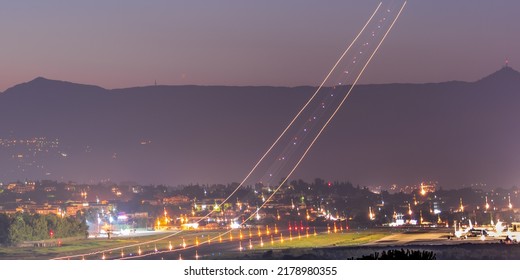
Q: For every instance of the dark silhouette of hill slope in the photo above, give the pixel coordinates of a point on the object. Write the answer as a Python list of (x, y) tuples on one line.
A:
[(454, 132)]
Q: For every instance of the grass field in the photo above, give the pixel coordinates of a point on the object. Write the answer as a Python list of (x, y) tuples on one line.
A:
[(111, 247), (86, 246)]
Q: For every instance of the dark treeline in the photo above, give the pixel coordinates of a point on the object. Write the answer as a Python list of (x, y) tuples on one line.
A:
[(22, 227)]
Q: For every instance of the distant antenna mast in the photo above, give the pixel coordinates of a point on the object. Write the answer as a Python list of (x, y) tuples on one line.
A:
[(507, 62)]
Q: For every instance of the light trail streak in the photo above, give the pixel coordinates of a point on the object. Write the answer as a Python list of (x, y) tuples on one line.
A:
[(335, 111), (264, 155), (298, 114), (321, 130)]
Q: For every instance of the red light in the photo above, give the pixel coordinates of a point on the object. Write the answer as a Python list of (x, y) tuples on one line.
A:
[(329, 184)]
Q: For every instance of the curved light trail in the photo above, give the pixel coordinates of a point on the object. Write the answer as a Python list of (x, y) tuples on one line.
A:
[(308, 148), (266, 153)]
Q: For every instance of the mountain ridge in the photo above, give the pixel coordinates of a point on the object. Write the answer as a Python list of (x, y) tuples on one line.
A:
[(384, 134), (505, 74)]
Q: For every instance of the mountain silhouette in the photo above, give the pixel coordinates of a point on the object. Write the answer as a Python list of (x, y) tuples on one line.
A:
[(457, 133)]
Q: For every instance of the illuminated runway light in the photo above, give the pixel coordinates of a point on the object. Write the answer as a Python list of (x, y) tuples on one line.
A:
[(290, 236), (275, 229), (220, 239), (261, 242), (139, 251), (183, 243), (103, 256), (209, 239), (315, 231), (240, 248), (196, 241), (196, 255), (230, 236), (281, 237), (122, 254), (180, 257), (272, 240), (250, 244), (259, 232), (240, 236), (155, 248), (170, 247)]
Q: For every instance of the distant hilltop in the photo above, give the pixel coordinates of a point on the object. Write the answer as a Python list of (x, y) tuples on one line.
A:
[(506, 74), (453, 132)]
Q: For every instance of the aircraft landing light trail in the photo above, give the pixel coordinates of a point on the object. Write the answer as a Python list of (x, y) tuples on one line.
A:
[(311, 125)]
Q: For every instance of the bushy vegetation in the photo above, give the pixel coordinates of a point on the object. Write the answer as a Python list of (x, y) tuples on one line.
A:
[(22, 227), (401, 255)]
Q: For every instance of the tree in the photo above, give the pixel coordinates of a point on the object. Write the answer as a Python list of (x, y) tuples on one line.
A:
[(18, 230), (39, 227)]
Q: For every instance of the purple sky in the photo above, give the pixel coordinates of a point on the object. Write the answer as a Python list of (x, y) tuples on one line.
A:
[(287, 43)]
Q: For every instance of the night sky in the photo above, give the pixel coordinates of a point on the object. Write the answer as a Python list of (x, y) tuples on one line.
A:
[(293, 42)]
